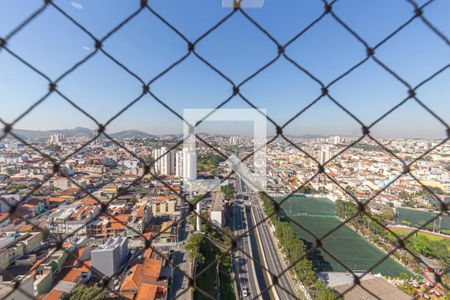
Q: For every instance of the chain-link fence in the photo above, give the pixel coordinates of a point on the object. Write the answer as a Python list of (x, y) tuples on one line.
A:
[(274, 209)]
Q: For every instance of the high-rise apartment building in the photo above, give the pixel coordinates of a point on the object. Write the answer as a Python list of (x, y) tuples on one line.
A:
[(189, 164), (234, 140), (165, 164), (336, 139), (324, 154), (56, 139), (179, 164)]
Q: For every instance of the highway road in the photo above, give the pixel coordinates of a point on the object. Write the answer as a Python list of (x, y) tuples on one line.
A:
[(285, 288), (251, 274), (248, 274)]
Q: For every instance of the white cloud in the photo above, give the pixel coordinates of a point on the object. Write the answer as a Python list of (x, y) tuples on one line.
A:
[(76, 5), (86, 48)]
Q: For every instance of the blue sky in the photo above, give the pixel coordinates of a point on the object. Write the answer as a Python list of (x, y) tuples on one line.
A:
[(147, 46)]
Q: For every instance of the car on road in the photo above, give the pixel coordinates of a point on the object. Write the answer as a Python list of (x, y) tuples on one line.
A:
[(245, 291)]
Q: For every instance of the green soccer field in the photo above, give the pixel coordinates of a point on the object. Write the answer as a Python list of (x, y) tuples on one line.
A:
[(317, 216), (417, 218), (298, 205)]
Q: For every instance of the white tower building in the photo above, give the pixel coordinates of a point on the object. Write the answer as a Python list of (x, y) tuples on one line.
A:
[(57, 139), (336, 139), (189, 164), (165, 164), (179, 164), (324, 154)]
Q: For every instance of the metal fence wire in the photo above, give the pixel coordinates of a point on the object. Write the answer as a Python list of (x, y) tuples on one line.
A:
[(326, 92)]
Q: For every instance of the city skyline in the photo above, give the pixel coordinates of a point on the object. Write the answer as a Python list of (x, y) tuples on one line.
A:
[(232, 132), (102, 88)]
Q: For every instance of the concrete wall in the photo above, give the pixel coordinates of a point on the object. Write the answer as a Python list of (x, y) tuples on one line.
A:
[(34, 241), (43, 284), (26, 285), (8, 255)]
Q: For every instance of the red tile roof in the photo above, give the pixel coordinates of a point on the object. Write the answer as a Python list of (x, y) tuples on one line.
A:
[(56, 199), (140, 212), (54, 295), (89, 201), (147, 272), (147, 292), (72, 276)]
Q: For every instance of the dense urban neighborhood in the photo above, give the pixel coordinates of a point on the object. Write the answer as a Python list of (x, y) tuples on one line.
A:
[(112, 218)]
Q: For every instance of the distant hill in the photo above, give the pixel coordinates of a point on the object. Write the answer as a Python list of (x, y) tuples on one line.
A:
[(43, 135), (130, 134), (311, 136), (306, 136)]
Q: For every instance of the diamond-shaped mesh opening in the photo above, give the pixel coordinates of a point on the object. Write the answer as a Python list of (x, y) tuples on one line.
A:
[(286, 242)]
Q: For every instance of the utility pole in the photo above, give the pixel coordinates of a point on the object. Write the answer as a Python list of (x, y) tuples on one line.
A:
[(290, 206), (198, 227)]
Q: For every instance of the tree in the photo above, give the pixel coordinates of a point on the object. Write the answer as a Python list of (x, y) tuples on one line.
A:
[(198, 198), (82, 292), (440, 251), (133, 201), (434, 189), (405, 222), (408, 289), (192, 219), (387, 215), (404, 276), (16, 187), (422, 245), (193, 245), (228, 191), (306, 189), (376, 239), (209, 163), (325, 293), (226, 237), (405, 196)]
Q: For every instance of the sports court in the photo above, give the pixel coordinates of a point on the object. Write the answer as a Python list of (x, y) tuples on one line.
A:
[(418, 218), (318, 216)]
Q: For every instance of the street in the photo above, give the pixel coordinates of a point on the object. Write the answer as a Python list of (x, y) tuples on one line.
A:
[(285, 288), (249, 275), (180, 284)]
